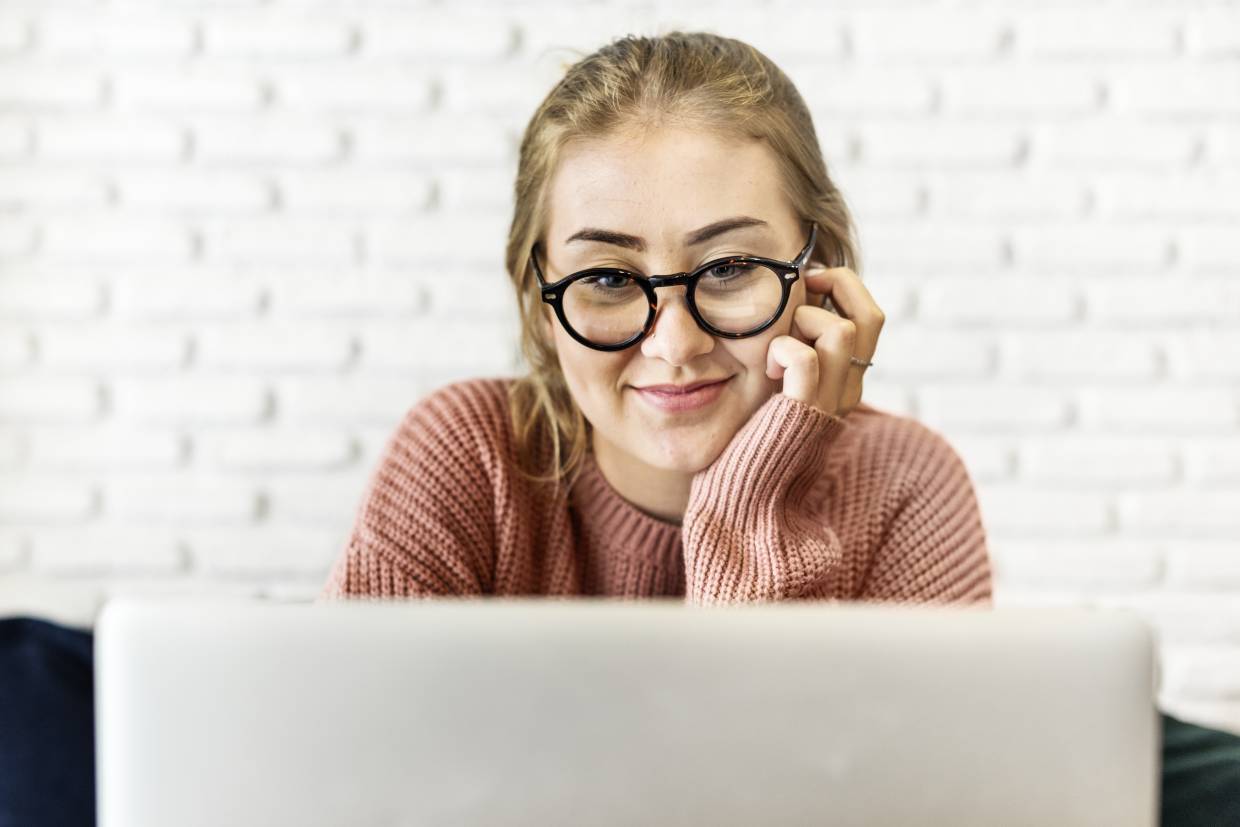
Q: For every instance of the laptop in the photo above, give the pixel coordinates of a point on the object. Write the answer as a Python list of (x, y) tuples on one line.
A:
[(537, 711)]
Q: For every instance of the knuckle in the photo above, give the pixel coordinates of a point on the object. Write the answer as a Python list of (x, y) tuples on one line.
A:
[(806, 357)]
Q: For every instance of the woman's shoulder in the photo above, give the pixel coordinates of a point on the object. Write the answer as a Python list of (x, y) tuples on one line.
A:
[(478, 407), (899, 443), (468, 412), (485, 397)]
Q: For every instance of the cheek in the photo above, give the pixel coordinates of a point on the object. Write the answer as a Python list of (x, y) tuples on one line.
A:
[(750, 354), (592, 376), (783, 325), (551, 327)]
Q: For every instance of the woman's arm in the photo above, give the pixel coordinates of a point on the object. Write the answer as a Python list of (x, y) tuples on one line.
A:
[(747, 533), (933, 549), (425, 525), (751, 534)]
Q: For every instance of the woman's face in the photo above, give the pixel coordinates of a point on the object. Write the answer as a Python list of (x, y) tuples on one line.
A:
[(660, 187)]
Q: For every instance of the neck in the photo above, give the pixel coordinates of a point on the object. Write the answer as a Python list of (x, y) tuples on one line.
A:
[(658, 492)]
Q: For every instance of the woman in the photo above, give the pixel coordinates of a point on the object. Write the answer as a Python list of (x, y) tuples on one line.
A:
[(699, 437), (774, 481)]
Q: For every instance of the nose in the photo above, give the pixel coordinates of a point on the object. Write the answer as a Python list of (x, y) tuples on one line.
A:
[(675, 337)]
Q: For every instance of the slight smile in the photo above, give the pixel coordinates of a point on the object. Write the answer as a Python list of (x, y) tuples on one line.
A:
[(687, 397)]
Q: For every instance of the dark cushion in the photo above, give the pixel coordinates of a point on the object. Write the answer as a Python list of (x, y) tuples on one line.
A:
[(1200, 775), (47, 724)]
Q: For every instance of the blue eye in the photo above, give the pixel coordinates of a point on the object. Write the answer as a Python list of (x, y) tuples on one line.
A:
[(726, 272), (608, 282)]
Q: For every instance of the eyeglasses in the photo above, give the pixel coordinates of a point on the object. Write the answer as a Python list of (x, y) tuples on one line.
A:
[(608, 308)]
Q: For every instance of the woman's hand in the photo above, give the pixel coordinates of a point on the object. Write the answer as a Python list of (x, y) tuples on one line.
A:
[(814, 360)]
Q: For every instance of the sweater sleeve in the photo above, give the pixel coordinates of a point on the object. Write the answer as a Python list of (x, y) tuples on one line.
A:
[(425, 524), (933, 549), (747, 532)]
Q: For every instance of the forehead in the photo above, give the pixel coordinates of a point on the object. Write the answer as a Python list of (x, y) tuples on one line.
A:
[(662, 184)]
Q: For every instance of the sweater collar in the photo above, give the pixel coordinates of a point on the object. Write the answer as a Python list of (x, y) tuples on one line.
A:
[(612, 520)]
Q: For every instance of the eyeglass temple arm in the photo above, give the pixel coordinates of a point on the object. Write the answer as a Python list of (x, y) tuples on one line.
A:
[(803, 259), (542, 282)]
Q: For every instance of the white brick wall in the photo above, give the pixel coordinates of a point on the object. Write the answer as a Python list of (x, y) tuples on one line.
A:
[(232, 233)]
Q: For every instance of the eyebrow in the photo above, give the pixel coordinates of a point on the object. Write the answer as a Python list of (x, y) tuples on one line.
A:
[(692, 239)]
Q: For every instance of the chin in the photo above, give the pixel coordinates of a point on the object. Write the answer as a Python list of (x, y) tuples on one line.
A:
[(683, 455)]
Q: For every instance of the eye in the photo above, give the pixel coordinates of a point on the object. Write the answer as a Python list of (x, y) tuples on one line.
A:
[(606, 282), (729, 271)]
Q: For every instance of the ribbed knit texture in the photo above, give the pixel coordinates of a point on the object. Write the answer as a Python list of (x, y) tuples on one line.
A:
[(799, 505)]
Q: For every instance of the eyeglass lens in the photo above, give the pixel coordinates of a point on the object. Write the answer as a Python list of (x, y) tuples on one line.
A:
[(733, 298)]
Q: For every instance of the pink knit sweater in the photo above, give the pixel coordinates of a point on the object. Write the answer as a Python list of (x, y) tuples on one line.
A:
[(800, 505)]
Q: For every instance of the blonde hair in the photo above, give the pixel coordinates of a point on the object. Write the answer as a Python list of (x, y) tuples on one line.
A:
[(694, 79)]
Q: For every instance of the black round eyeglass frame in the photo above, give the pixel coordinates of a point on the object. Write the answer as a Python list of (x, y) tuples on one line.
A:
[(790, 271)]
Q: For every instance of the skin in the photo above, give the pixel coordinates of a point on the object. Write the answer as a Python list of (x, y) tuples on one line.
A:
[(660, 185)]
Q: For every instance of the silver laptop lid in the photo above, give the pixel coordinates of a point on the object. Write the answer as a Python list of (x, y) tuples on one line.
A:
[(604, 712)]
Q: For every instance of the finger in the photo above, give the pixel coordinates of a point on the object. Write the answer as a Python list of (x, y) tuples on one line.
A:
[(834, 338), (853, 300), (816, 299), (797, 363)]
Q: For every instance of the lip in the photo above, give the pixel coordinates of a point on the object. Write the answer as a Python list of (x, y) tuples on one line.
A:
[(681, 388), (682, 397)]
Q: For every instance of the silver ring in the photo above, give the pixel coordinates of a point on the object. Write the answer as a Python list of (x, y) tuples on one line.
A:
[(857, 361)]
